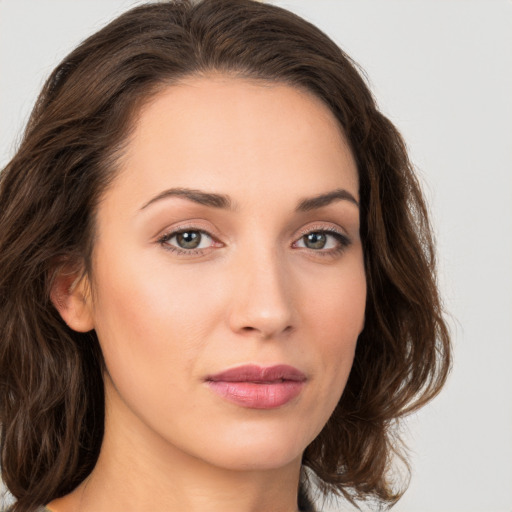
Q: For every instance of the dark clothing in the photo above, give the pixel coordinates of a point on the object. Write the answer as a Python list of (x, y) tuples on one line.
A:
[(304, 503)]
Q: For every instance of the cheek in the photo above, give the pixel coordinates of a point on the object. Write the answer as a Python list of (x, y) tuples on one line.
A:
[(150, 317), (151, 333), (337, 317), (338, 306)]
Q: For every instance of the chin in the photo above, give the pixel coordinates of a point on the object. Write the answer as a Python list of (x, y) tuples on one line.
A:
[(257, 460), (256, 449)]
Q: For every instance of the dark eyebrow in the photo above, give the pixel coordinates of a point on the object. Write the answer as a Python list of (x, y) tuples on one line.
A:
[(223, 201), (311, 203), (198, 196)]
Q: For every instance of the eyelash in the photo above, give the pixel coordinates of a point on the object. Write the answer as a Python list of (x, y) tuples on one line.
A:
[(342, 241), (164, 239)]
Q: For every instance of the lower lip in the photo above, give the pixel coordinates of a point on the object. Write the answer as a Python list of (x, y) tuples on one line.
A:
[(257, 396)]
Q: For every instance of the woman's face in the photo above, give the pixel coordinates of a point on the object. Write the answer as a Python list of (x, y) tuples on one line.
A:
[(230, 237)]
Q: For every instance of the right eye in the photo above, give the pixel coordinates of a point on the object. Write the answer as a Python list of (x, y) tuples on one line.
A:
[(187, 240)]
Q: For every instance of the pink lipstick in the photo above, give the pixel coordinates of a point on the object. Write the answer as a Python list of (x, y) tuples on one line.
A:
[(256, 387)]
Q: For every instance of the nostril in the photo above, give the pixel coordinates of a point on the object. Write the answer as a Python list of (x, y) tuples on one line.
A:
[(266, 333)]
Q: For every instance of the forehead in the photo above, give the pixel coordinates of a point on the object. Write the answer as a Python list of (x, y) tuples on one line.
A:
[(221, 132)]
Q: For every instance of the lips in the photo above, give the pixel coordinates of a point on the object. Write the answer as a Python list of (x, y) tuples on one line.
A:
[(254, 373), (258, 387)]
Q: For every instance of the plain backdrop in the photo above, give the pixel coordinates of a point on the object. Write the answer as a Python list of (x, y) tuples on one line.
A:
[(442, 71)]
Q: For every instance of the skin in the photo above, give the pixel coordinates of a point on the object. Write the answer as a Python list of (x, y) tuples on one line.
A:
[(254, 292)]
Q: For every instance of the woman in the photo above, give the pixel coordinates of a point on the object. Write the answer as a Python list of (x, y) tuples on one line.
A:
[(217, 275)]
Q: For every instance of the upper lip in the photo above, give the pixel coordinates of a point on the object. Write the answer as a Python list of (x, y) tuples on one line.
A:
[(255, 373)]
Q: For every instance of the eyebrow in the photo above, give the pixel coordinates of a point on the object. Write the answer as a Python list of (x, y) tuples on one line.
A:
[(225, 202), (197, 196), (312, 203)]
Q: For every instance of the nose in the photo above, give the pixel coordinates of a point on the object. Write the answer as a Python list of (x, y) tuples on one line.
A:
[(262, 302)]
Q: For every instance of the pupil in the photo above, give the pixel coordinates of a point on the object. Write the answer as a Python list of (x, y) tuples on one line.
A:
[(315, 240), (188, 239)]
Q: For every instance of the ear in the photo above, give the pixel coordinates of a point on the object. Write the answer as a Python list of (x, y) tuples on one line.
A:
[(70, 294)]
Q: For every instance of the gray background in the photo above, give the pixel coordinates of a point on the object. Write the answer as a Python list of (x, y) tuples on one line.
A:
[(441, 70)]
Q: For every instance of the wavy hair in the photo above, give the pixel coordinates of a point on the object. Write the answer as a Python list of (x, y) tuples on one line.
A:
[(51, 387)]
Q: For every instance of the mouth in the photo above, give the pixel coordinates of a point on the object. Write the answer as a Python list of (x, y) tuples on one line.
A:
[(258, 387)]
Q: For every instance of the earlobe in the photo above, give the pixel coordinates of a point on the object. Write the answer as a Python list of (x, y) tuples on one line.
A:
[(70, 294)]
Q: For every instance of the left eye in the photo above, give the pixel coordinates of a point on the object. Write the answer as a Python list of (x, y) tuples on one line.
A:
[(188, 239), (318, 240)]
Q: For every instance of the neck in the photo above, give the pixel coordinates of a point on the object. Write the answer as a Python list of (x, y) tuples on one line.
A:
[(139, 471), (187, 486)]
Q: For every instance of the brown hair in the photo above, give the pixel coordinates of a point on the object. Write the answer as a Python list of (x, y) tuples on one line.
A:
[(51, 388)]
